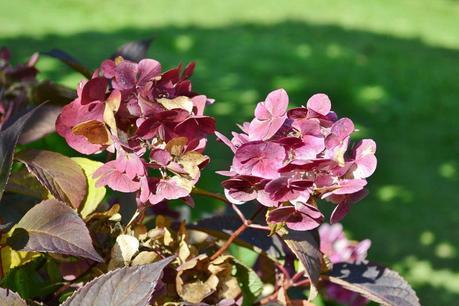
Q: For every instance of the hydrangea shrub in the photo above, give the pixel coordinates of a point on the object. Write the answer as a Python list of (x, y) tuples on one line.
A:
[(102, 233)]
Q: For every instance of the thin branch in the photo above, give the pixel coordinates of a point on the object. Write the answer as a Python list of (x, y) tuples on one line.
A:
[(236, 234), (221, 198)]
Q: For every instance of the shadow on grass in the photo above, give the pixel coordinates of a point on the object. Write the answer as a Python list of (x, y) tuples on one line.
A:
[(402, 93)]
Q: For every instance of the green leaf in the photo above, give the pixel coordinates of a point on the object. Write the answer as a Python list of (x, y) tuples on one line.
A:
[(27, 281), (64, 179), (8, 140), (249, 282), (95, 194)]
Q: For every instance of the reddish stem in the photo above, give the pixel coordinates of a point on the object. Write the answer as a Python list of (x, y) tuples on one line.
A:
[(246, 224)]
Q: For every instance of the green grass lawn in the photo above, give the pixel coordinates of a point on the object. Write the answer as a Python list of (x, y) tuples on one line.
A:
[(392, 66)]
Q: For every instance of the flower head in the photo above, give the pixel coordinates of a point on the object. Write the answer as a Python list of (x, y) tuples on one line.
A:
[(153, 121), (285, 157)]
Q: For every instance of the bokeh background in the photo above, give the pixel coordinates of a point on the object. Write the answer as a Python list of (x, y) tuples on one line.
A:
[(391, 65)]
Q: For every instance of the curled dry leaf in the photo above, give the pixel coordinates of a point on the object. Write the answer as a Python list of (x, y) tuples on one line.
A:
[(126, 246), (144, 257), (201, 280)]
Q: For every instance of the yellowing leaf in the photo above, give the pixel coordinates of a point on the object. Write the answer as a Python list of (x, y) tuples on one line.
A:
[(11, 258), (95, 194), (181, 102), (190, 162)]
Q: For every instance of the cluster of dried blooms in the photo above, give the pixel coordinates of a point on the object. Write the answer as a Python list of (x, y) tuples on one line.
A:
[(152, 121)]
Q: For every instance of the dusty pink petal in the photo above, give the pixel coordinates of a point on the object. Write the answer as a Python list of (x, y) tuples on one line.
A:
[(265, 129), (265, 200), (286, 189), (259, 159), (311, 147), (147, 70), (342, 128), (225, 140), (199, 102), (346, 186), (134, 166), (108, 68), (161, 157), (240, 196), (319, 103), (365, 161), (125, 75), (116, 180), (261, 112), (239, 139), (270, 115), (277, 102), (169, 190)]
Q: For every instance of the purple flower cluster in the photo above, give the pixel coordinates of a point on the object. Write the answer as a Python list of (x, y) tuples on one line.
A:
[(152, 121), (286, 159), (335, 245)]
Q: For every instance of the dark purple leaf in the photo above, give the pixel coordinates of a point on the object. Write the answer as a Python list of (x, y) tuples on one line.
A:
[(10, 298), (128, 286), (62, 176), (375, 282), (43, 123), (69, 61), (306, 246), (52, 226), (25, 183), (55, 93), (8, 140), (134, 50)]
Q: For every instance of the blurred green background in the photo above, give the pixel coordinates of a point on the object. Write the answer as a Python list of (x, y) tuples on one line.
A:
[(391, 65)]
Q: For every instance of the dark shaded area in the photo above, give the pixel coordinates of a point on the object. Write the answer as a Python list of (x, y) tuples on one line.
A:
[(403, 93)]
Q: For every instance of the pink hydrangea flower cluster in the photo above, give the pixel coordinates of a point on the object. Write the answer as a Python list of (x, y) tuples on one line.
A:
[(286, 159), (335, 245), (151, 120)]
